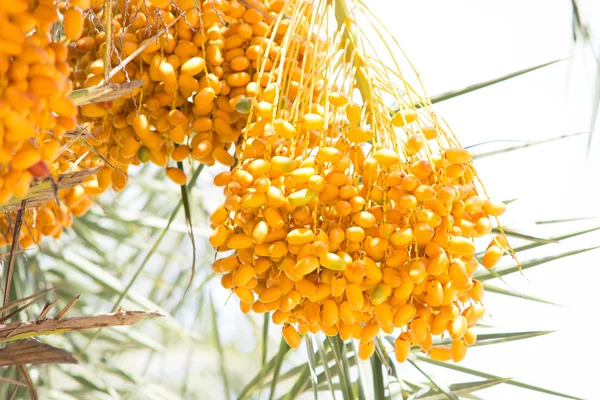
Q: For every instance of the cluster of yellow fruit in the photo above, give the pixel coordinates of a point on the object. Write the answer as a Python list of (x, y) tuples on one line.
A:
[(196, 64), (50, 217), (73, 13), (35, 112), (343, 216), (336, 224), (34, 86)]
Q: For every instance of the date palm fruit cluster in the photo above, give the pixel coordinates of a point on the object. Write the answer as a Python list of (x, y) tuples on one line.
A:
[(196, 64), (35, 113), (186, 114), (344, 216), (35, 109), (51, 217)]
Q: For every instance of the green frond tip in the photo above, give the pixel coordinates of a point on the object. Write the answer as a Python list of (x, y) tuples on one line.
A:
[(520, 235), (560, 220), (595, 108), (507, 292), (486, 275), (459, 92), (487, 339), (477, 86), (461, 389), (523, 145)]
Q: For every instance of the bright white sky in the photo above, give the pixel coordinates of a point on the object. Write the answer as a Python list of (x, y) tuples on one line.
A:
[(455, 43)]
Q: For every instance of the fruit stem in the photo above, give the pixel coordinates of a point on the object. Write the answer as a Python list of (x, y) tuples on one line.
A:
[(344, 22), (108, 39)]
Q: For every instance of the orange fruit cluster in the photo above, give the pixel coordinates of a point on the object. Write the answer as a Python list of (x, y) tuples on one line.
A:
[(74, 12), (50, 218), (343, 216), (195, 64), (35, 113), (34, 86)]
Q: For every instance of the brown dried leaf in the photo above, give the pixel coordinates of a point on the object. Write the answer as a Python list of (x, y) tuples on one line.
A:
[(36, 296), (44, 190), (18, 310), (22, 330), (46, 309), (66, 308), (31, 351), (13, 249), (11, 382)]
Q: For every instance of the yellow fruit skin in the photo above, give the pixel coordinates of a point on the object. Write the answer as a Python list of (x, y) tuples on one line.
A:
[(470, 337), (458, 156), (330, 313), (347, 313), (401, 349), (419, 329), (218, 236), (404, 315), (193, 66), (26, 158), (366, 350), (284, 129), (492, 256), (333, 262), (289, 301), (177, 176), (355, 296), (459, 350), (360, 134), (313, 121), (404, 117), (161, 3), (369, 332), (439, 324), (306, 265), (291, 336), (458, 327), (384, 315), (440, 353), (242, 275), (494, 209), (300, 236), (473, 313), (73, 24)]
